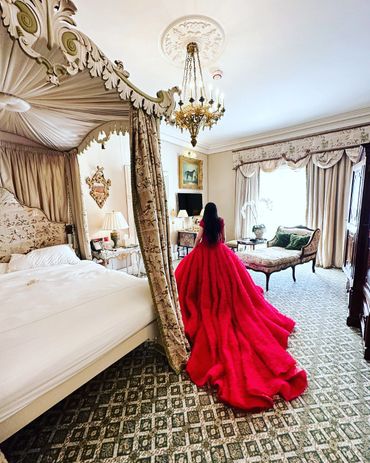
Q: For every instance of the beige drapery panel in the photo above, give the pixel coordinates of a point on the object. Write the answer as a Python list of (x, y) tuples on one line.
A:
[(328, 179), (246, 189), (152, 226), (37, 178), (49, 180), (77, 208)]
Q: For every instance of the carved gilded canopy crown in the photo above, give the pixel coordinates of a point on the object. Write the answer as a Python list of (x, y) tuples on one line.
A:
[(42, 26)]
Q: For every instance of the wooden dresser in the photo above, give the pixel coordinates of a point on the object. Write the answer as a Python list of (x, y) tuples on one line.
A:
[(357, 248)]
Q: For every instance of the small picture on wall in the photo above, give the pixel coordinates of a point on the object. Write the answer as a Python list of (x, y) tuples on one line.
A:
[(190, 173)]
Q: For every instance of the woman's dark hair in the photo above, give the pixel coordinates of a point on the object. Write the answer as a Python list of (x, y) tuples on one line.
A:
[(212, 224)]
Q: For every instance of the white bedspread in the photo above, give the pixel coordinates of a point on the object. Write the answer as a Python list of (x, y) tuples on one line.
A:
[(57, 320)]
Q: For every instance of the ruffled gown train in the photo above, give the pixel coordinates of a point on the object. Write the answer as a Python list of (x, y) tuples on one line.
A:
[(238, 338)]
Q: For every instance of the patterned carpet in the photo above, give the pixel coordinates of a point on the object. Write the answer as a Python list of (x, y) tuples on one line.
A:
[(139, 411)]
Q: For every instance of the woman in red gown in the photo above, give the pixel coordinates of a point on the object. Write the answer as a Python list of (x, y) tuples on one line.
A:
[(238, 338)]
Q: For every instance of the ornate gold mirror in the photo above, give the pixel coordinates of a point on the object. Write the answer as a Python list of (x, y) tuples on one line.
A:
[(99, 186)]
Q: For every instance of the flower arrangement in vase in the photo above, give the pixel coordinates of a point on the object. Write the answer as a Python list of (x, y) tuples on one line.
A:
[(258, 228)]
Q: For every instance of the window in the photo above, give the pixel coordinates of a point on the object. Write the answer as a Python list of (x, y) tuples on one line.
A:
[(282, 198)]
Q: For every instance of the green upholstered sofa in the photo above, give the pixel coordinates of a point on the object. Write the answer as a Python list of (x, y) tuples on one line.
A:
[(275, 258)]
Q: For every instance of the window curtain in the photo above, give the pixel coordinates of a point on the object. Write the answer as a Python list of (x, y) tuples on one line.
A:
[(37, 178), (77, 207), (152, 226), (246, 189), (328, 179)]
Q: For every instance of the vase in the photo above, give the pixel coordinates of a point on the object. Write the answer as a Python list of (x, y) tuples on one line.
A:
[(259, 233)]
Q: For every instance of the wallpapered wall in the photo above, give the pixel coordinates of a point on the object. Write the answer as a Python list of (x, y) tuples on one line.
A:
[(113, 158)]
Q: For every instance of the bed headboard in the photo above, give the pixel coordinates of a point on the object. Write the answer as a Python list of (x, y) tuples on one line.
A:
[(23, 228)]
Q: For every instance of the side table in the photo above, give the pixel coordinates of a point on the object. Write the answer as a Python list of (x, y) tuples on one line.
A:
[(250, 242), (115, 258)]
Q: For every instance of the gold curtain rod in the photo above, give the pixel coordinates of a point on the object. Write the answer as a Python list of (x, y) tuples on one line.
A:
[(301, 137)]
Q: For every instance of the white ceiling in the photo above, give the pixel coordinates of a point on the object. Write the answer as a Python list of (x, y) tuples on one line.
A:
[(285, 62)]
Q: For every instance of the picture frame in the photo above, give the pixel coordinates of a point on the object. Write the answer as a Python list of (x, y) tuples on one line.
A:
[(97, 245), (190, 173)]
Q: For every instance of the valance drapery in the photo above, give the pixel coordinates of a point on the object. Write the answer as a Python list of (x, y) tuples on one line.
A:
[(297, 153)]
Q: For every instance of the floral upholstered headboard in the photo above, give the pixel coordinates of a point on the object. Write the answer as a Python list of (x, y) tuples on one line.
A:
[(23, 228)]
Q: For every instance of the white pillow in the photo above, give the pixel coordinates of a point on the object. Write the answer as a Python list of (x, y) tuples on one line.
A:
[(3, 268), (18, 262), (44, 257)]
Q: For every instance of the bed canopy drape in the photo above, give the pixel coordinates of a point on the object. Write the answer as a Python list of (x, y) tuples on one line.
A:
[(327, 158), (59, 90)]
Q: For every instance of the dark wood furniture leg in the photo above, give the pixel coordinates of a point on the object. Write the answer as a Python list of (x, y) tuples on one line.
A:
[(293, 273), (313, 265), (267, 280)]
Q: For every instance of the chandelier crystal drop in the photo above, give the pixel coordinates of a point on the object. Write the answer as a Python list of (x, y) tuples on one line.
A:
[(195, 110)]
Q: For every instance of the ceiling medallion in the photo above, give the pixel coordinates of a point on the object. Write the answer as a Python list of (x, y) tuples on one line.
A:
[(206, 32), (13, 103), (196, 109)]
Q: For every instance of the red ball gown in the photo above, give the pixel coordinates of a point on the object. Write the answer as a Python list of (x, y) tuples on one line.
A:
[(238, 339)]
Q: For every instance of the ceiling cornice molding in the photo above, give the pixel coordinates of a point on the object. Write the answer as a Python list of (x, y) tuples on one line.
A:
[(338, 121), (200, 148)]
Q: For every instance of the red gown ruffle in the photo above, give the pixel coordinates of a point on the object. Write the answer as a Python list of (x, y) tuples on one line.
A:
[(238, 338)]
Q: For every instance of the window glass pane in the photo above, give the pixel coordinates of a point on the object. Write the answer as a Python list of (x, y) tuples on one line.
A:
[(282, 199)]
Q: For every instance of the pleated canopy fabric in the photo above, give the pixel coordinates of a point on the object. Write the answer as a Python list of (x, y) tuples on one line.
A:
[(60, 117), (56, 86)]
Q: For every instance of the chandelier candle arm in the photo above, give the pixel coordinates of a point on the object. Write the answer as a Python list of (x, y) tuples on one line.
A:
[(195, 111)]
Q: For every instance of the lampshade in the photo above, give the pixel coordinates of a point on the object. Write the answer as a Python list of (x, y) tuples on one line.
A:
[(114, 221), (182, 214), (202, 212)]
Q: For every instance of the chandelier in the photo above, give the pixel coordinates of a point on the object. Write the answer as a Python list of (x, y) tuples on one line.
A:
[(195, 110)]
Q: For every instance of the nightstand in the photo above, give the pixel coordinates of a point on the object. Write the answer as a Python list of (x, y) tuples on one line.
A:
[(120, 258)]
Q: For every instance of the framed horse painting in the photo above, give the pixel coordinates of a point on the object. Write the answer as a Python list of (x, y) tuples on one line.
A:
[(190, 173)]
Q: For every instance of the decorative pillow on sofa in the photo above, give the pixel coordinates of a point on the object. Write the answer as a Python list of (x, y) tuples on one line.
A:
[(298, 241), (44, 257), (282, 239)]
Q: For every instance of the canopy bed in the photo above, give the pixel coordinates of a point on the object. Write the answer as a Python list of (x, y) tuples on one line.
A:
[(58, 93)]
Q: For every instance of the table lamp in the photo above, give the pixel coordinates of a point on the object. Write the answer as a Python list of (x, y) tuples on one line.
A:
[(182, 215), (114, 221), (202, 212)]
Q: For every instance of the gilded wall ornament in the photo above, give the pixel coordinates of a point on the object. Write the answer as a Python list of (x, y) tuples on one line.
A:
[(99, 186)]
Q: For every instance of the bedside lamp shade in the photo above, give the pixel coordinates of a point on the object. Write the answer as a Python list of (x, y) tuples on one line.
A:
[(182, 214), (114, 221)]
